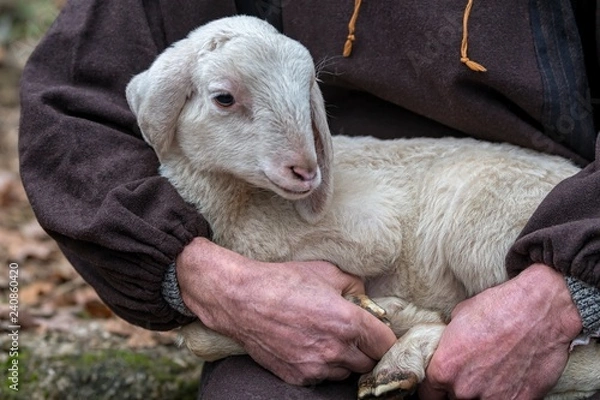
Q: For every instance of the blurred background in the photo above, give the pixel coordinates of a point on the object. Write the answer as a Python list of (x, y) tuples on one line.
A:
[(70, 345)]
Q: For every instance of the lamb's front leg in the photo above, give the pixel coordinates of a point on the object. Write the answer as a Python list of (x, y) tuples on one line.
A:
[(365, 302), (402, 368)]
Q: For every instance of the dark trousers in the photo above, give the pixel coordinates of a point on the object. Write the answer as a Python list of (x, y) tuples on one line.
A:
[(240, 378)]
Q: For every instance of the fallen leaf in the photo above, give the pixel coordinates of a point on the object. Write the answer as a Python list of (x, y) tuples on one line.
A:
[(142, 339), (97, 309), (138, 338), (84, 294), (88, 299), (33, 293), (16, 248), (119, 327)]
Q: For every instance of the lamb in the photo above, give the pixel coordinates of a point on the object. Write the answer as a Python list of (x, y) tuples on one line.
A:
[(235, 115)]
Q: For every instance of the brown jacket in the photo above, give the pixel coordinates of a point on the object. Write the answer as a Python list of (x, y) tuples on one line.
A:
[(92, 180)]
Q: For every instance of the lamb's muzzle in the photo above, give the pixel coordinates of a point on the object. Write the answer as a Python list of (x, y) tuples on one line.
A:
[(294, 182)]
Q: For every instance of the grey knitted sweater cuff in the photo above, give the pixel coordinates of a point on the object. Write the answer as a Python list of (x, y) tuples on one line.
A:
[(171, 292), (587, 300)]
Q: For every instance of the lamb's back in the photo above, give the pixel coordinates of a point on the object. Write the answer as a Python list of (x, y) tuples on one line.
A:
[(448, 209)]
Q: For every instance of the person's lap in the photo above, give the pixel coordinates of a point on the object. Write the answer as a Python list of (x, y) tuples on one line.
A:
[(241, 378)]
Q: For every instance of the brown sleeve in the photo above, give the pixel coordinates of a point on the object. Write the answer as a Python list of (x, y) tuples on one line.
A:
[(564, 232), (91, 179)]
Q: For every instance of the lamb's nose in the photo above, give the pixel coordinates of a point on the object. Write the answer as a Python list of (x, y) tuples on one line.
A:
[(305, 174)]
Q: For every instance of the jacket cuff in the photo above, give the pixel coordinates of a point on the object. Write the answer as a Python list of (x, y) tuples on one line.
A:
[(587, 300), (171, 292)]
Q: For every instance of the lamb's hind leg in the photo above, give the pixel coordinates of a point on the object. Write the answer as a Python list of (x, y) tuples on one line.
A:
[(208, 344), (581, 377), (402, 368)]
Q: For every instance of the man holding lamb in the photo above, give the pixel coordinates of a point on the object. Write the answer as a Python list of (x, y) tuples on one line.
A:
[(94, 186)]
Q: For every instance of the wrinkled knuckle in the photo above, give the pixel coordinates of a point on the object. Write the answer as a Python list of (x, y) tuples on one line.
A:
[(347, 315), (291, 376), (313, 373), (366, 366), (299, 380), (303, 381), (445, 375), (339, 374), (462, 391), (346, 328), (331, 354), (295, 380), (441, 373)]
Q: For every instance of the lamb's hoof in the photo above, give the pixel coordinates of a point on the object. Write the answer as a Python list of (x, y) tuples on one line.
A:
[(387, 385), (365, 302)]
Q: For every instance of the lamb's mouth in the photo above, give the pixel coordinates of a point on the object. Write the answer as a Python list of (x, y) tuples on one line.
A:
[(289, 193)]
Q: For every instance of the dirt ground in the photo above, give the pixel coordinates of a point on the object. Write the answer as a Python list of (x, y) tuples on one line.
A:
[(59, 341)]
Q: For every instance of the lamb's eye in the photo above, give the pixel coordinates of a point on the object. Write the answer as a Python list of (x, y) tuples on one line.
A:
[(224, 100)]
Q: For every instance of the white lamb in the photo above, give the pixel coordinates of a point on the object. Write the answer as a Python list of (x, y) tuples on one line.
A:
[(235, 114)]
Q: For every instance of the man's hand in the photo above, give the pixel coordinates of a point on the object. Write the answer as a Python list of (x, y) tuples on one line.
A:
[(509, 342), (290, 317)]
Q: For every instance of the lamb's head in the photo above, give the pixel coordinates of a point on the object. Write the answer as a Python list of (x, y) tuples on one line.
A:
[(238, 97)]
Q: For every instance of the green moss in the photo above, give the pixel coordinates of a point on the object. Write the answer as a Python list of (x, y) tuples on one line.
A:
[(99, 375)]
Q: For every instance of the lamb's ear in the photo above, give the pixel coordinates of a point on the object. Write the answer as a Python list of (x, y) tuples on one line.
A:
[(157, 95), (312, 208)]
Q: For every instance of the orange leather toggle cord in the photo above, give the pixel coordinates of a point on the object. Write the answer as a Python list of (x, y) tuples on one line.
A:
[(463, 47), (351, 29)]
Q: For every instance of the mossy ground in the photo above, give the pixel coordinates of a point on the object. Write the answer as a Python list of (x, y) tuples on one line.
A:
[(102, 374)]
